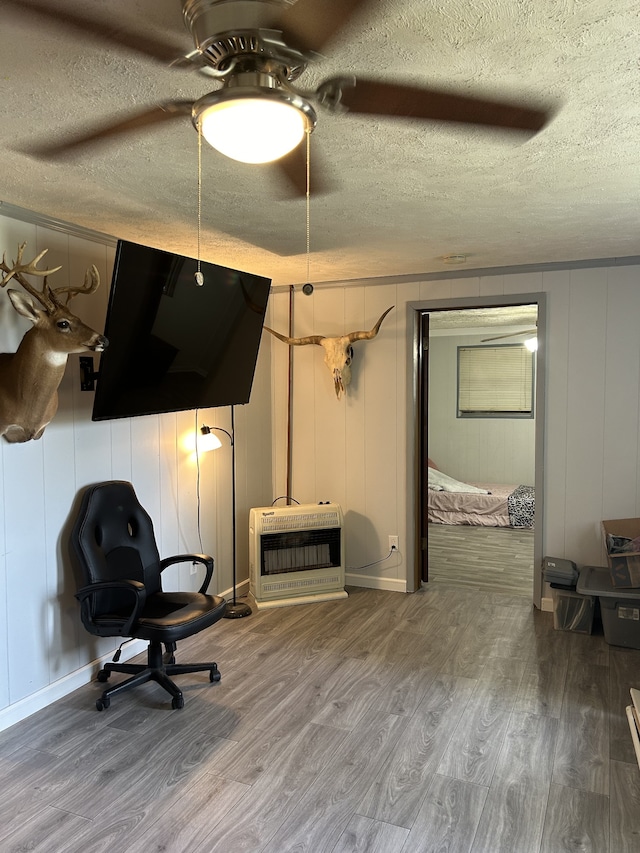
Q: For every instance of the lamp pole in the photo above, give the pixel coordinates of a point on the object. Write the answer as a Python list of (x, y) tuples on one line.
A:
[(234, 609)]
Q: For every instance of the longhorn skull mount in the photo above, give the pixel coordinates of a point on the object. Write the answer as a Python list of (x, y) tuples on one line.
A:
[(338, 351)]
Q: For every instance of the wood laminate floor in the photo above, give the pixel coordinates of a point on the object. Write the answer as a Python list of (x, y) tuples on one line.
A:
[(491, 559), (448, 721)]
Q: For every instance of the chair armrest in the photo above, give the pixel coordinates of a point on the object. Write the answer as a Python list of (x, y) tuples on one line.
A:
[(136, 588), (205, 559)]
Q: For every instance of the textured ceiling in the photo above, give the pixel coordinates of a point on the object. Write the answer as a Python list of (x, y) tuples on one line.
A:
[(406, 194), (472, 319)]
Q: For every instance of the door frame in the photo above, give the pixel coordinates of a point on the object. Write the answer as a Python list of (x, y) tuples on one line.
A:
[(416, 451)]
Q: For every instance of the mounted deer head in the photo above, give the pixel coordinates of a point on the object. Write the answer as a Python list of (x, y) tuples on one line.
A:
[(338, 352), (29, 378)]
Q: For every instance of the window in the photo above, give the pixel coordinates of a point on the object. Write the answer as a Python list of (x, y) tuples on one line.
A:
[(495, 381)]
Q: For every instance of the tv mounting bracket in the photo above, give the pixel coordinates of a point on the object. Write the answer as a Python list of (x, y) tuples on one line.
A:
[(88, 375)]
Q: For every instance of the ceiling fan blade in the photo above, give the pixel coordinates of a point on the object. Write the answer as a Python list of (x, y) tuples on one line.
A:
[(293, 167), (157, 48), (374, 97), (310, 24), (510, 335), (159, 114)]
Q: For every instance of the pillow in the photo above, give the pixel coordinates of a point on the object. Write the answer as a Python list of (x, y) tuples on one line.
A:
[(448, 484)]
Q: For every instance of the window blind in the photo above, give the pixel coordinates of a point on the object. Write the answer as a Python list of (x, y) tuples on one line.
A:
[(495, 380)]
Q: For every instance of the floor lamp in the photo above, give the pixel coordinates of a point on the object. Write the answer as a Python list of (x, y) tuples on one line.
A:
[(234, 609)]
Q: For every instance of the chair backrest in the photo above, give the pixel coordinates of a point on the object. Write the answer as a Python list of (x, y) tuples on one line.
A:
[(113, 539)]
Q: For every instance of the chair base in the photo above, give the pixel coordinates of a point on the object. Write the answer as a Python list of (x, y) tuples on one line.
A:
[(156, 669)]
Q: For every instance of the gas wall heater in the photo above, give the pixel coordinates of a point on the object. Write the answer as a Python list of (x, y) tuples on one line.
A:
[(296, 554)]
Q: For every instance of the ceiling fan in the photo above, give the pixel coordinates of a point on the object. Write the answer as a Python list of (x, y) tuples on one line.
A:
[(256, 50)]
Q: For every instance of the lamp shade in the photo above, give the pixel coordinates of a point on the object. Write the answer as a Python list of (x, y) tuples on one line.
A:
[(207, 440)]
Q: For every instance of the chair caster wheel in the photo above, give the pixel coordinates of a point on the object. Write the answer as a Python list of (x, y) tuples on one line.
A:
[(103, 675), (177, 702), (103, 703), (214, 675)]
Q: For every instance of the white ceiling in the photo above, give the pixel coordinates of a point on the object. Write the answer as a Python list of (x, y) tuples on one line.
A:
[(406, 193), (473, 320)]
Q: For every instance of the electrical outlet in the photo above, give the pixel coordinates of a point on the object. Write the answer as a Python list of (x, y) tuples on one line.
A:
[(393, 543), (194, 568)]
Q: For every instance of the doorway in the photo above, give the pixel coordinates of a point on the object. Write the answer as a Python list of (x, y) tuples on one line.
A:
[(480, 450)]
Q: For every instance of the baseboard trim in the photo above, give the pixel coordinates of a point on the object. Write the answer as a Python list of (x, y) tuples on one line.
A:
[(40, 699), (373, 582)]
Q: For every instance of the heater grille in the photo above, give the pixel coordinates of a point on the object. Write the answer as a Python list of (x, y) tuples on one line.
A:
[(305, 584), (300, 550), (292, 559), (297, 520)]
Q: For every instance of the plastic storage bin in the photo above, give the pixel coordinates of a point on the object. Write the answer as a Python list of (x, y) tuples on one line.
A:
[(619, 608), (573, 611)]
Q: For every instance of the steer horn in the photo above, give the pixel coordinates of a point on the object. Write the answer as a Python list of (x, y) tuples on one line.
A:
[(366, 336), (296, 342)]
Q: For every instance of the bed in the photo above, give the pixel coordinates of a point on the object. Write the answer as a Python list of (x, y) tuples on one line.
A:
[(480, 504)]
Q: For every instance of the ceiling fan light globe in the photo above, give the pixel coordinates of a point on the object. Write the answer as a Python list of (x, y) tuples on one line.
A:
[(253, 130)]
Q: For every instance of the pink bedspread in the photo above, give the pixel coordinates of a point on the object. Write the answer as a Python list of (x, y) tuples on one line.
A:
[(461, 508)]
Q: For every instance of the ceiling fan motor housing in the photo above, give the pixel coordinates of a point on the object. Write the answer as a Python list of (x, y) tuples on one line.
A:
[(223, 30)]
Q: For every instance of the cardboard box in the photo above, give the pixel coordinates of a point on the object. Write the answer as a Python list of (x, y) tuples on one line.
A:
[(624, 568)]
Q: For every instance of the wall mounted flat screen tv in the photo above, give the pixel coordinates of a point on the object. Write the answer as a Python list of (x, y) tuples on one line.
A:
[(174, 345)]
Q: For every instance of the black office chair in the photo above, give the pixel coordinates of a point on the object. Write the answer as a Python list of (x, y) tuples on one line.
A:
[(121, 593)]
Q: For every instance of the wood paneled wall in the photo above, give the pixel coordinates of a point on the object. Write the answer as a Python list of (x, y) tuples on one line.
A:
[(356, 451), (44, 650), (353, 450)]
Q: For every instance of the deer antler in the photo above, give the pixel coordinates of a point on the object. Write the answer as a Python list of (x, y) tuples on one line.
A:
[(91, 284), (19, 270)]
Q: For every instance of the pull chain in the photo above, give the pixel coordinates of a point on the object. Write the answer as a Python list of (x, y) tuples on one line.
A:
[(308, 204), (199, 278), (308, 287)]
